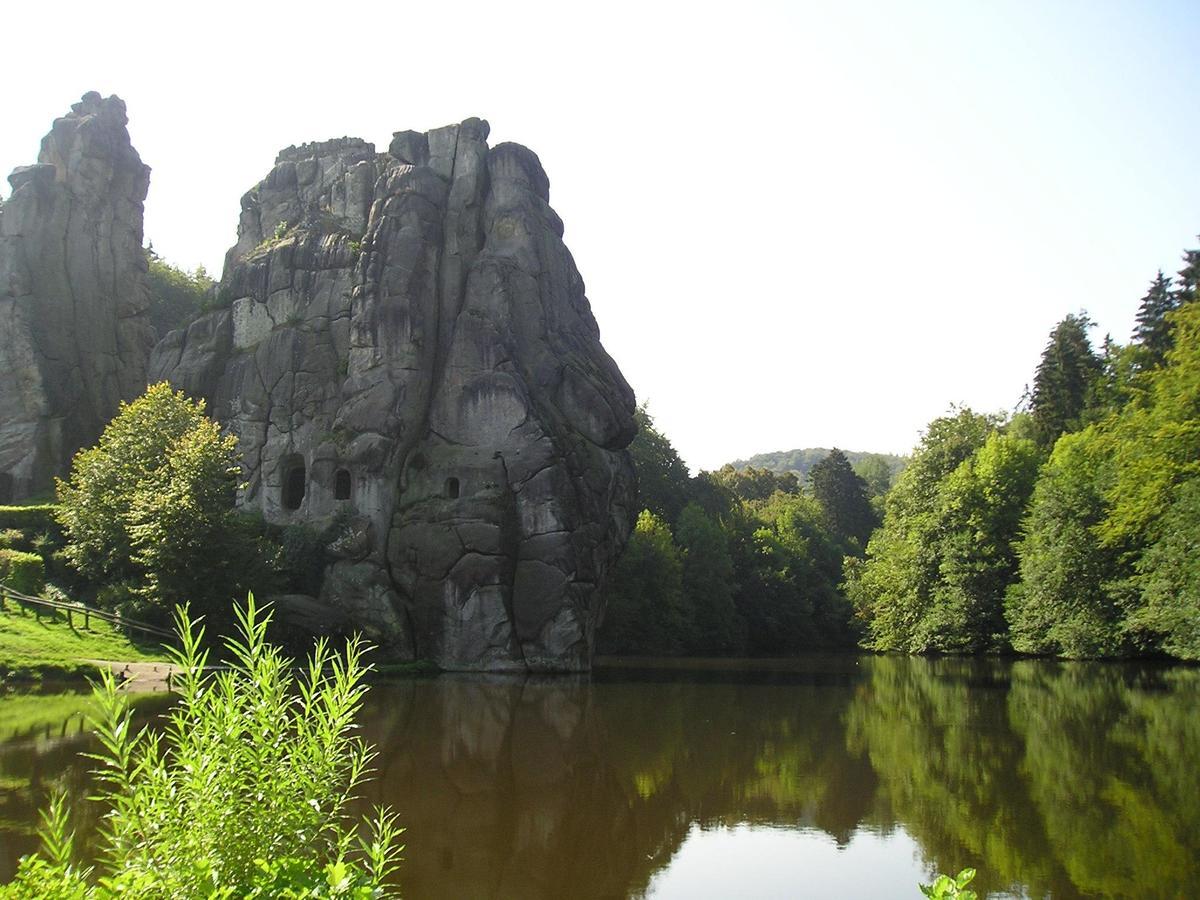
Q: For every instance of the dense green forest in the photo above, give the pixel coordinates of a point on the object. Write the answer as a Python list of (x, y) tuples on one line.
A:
[(801, 460), (736, 561), (1068, 528)]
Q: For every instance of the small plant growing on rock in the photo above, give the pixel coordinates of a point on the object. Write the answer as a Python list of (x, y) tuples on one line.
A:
[(243, 793)]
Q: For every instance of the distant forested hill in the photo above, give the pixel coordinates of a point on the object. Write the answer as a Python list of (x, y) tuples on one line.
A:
[(800, 461)]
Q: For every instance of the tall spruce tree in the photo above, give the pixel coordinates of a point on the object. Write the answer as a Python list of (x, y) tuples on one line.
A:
[(1066, 376), (842, 493), (1188, 277), (1153, 331)]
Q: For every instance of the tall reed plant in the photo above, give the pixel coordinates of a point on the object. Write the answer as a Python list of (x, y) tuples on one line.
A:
[(243, 792)]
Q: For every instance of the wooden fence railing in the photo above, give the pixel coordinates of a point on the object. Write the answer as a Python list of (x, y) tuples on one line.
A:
[(79, 609)]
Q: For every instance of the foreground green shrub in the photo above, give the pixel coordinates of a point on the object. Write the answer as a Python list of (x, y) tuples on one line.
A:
[(24, 572), (242, 794)]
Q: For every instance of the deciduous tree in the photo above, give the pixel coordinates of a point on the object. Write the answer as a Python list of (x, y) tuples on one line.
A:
[(150, 507)]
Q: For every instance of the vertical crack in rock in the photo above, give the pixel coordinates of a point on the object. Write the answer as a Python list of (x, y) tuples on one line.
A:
[(407, 338), (75, 338)]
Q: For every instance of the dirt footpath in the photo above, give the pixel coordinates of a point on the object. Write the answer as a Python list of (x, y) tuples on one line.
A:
[(140, 677)]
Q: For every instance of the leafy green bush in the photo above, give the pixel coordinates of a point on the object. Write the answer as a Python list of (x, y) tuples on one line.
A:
[(31, 528), (946, 888), (24, 572), (40, 518), (242, 794)]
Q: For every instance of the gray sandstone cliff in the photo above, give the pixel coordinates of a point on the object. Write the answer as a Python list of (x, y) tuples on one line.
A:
[(409, 361), (74, 337)]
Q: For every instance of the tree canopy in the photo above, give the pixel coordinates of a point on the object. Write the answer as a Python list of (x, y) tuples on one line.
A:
[(1068, 529), (662, 476), (176, 295), (148, 511)]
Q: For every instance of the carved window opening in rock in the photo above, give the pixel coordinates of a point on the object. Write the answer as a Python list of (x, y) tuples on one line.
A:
[(452, 488), (341, 485), (294, 485)]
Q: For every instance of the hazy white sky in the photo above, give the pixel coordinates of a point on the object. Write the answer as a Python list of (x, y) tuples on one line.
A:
[(800, 224)]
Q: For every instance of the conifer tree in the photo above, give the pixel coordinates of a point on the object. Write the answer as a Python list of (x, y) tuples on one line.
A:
[(1188, 277), (842, 493), (1152, 331), (1066, 375)]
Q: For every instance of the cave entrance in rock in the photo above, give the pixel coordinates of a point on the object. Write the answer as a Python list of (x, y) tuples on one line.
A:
[(341, 485), (452, 488), (295, 482)]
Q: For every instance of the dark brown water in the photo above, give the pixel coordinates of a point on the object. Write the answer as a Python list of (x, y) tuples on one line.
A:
[(829, 776)]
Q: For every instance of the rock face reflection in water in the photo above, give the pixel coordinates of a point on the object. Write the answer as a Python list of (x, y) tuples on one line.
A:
[(1051, 778)]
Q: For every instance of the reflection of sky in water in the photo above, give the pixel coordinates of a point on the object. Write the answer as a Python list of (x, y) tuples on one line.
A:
[(757, 863)]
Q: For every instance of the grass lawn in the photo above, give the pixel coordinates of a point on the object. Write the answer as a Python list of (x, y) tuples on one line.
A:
[(29, 648)]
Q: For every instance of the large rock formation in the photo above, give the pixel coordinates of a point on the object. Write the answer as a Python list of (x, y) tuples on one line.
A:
[(410, 363), (74, 337)]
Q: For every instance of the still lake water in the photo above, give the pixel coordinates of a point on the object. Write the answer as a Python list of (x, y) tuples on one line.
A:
[(847, 776)]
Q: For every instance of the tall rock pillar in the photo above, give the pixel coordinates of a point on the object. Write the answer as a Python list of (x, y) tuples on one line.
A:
[(74, 335), (411, 365)]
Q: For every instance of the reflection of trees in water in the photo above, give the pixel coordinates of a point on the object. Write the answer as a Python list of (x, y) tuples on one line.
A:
[(1111, 756), (560, 787), (950, 771), (1064, 778)]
